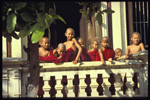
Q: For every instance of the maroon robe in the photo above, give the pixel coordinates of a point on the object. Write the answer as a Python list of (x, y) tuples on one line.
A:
[(107, 53), (85, 56), (93, 54)]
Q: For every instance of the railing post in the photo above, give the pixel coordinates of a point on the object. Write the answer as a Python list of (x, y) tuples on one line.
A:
[(82, 84), (5, 83), (106, 84), (46, 87), (94, 85), (118, 84), (70, 85), (58, 85), (130, 92)]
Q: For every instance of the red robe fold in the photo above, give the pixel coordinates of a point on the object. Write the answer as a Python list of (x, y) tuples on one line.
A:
[(50, 58), (68, 56), (85, 56), (93, 54), (107, 53)]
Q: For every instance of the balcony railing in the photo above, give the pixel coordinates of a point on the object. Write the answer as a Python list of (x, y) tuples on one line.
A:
[(127, 78)]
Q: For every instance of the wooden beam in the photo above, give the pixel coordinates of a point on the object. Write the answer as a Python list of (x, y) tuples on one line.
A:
[(110, 25)]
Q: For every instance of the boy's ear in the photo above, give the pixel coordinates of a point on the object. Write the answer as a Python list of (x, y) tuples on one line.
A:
[(65, 33)]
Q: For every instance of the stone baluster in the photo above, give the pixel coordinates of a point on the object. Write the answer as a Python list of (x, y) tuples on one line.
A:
[(5, 83), (94, 85), (70, 86), (17, 82), (106, 84), (130, 92), (118, 84), (58, 85), (46, 87), (82, 84)]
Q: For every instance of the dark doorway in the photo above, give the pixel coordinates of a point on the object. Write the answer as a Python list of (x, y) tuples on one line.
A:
[(69, 11)]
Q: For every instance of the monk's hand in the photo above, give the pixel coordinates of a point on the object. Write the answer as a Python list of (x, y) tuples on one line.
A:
[(110, 59), (75, 62), (104, 63)]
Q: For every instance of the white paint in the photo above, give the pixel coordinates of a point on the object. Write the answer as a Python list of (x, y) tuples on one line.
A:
[(119, 30), (16, 50), (4, 47), (104, 19)]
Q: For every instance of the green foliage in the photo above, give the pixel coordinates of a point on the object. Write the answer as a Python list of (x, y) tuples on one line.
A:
[(37, 34), (11, 22), (99, 18), (34, 23), (27, 17), (25, 31), (90, 8), (18, 6)]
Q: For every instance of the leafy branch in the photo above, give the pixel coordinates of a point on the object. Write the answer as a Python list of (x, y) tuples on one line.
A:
[(90, 8)]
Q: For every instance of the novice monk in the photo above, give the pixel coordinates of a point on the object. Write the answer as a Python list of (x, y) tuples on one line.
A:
[(105, 52), (71, 46), (84, 55), (136, 46), (94, 52), (46, 52), (58, 51), (118, 53), (44, 49)]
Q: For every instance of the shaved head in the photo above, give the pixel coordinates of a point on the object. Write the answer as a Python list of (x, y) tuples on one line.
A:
[(61, 45), (43, 38), (118, 50), (71, 30)]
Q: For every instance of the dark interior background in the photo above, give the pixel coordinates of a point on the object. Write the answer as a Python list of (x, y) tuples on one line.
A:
[(69, 11)]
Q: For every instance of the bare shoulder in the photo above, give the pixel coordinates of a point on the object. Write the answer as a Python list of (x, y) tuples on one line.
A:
[(74, 40), (89, 50), (41, 49), (141, 44)]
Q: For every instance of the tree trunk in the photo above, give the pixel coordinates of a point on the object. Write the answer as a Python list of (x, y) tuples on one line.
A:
[(34, 69)]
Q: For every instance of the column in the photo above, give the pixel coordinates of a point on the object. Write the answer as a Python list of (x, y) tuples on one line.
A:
[(70, 85), (94, 85), (82, 84), (106, 84), (5, 83), (58, 85), (119, 30), (46, 87), (130, 92)]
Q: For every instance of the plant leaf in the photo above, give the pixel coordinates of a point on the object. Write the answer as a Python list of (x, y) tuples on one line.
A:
[(54, 7), (11, 22), (60, 18), (99, 18), (37, 34), (19, 5), (25, 31), (26, 17), (109, 11)]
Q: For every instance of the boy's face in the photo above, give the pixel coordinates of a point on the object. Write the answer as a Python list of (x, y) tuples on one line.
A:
[(119, 53), (80, 41), (95, 45), (105, 43), (61, 49), (135, 39), (45, 43), (69, 34)]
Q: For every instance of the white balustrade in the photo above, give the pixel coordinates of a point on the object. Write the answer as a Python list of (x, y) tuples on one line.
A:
[(70, 86), (94, 84), (17, 76), (82, 84), (46, 87), (58, 86), (130, 83)]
